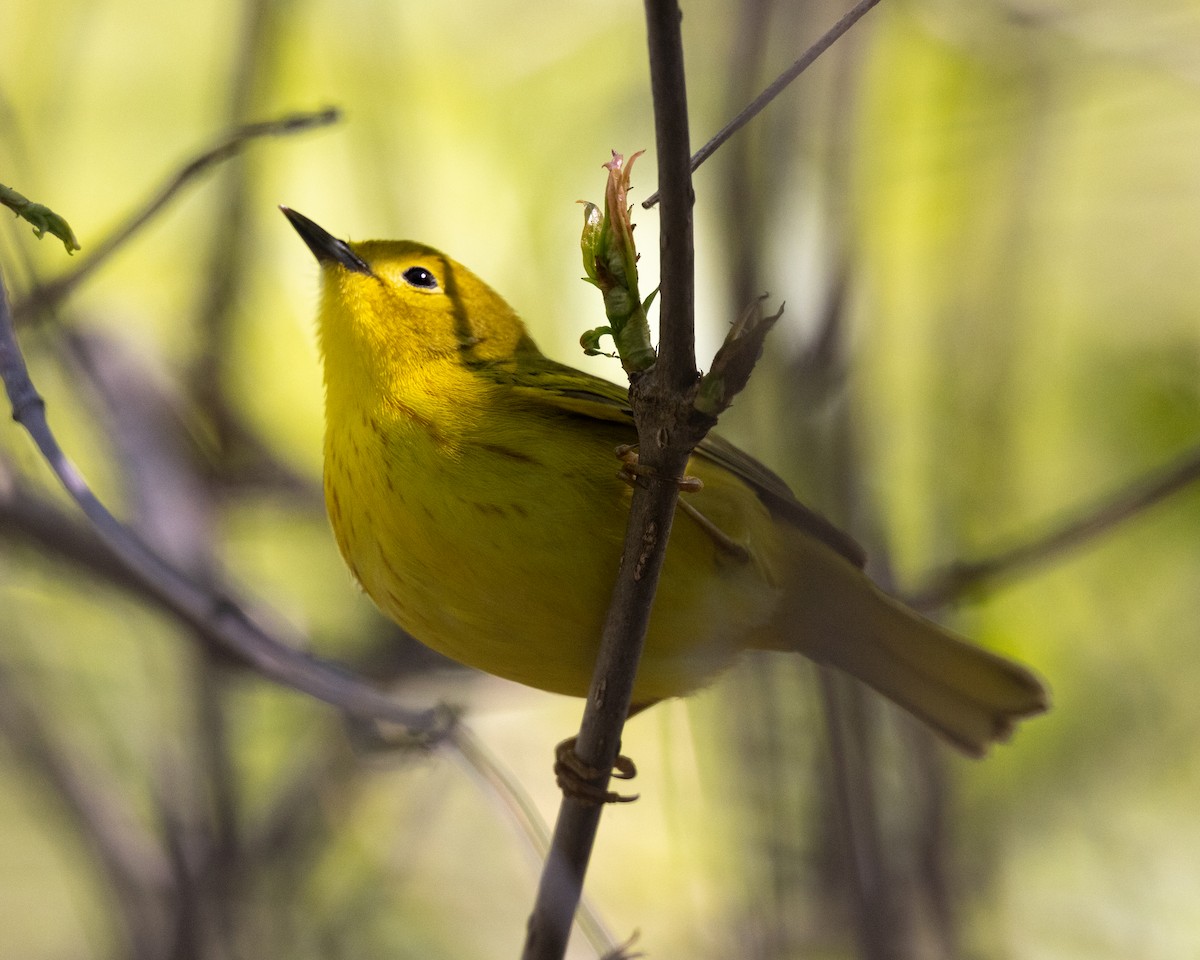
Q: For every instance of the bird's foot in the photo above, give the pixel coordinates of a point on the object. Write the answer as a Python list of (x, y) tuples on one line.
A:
[(632, 470), (582, 782)]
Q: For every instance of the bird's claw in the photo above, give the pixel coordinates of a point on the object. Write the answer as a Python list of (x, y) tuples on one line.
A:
[(582, 782), (632, 469)]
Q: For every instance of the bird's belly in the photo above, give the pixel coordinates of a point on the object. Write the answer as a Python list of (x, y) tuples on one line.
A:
[(506, 563)]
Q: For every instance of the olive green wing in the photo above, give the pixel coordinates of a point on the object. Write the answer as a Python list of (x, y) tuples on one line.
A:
[(542, 381), (779, 498)]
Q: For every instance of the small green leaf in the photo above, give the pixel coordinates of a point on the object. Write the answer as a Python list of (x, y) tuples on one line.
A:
[(735, 360), (44, 219), (710, 395), (590, 341), (591, 240)]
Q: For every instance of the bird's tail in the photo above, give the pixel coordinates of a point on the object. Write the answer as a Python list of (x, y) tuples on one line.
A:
[(970, 696)]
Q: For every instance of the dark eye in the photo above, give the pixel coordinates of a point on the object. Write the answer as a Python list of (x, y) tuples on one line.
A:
[(420, 277)]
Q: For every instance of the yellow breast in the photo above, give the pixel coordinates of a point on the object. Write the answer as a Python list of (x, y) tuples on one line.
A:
[(494, 535)]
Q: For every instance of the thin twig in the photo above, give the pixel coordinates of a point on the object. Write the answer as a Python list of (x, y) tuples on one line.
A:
[(50, 295), (492, 774), (214, 616), (28, 516), (677, 345), (777, 87), (667, 431), (517, 802), (1088, 525)]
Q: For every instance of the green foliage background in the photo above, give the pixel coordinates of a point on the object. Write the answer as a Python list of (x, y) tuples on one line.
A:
[(1010, 191)]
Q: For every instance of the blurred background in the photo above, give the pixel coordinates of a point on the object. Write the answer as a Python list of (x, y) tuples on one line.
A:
[(985, 221)]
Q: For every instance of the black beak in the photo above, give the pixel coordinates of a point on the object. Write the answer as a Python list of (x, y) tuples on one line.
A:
[(326, 247)]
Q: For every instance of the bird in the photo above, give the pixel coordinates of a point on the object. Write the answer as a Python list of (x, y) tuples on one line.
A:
[(472, 489)]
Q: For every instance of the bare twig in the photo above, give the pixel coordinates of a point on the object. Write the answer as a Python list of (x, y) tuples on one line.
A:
[(500, 782), (668, 428), (34, 518), (50, 295), (677, 346), (213, 615), (777, 87), (519, 805), (1089, 524)]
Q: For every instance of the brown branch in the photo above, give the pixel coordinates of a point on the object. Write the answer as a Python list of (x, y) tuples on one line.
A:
[(30, 517), (676, 368), (50, 295), (1089, 524), (668, 429), (777, 87)]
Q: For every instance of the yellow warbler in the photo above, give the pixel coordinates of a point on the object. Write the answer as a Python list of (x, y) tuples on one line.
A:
[(473, 490)]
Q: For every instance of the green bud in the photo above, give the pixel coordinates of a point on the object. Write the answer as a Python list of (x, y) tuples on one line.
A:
[(610, 262)]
